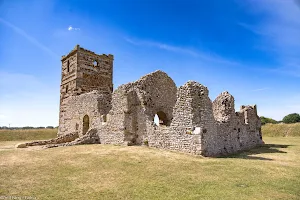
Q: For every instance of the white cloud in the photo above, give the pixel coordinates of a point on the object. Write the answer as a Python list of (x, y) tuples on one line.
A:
[(71, 28)]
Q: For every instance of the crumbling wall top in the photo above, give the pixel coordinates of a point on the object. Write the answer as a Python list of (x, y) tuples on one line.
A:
[(78, 48), (223, 107)]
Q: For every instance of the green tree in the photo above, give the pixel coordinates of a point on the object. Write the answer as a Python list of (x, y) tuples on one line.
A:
[(265, 120), (291, 118)]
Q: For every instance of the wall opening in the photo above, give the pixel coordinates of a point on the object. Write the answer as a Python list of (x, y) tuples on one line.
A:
[(86, 124), (160, 118), (68, 66), (95, 63), (104, 118)]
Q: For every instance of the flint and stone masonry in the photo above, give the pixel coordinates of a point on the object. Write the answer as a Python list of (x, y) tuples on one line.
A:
[(91, 112)]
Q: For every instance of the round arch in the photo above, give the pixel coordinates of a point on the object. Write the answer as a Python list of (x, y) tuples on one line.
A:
[(160, 118)]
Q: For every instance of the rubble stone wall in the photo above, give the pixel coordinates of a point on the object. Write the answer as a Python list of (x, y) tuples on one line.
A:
[(234, 132), (134, 106), (95, 105)]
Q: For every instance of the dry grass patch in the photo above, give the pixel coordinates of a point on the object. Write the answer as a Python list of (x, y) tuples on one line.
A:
[(27, 134), (281, 130), (119, 172)]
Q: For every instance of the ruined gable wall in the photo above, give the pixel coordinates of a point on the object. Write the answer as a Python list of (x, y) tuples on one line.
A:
[(233, 132), (228, 125), (113, 130), (192, 117), (156, 93), (252, 126), (134, 106), (94, 104), (224, 107)]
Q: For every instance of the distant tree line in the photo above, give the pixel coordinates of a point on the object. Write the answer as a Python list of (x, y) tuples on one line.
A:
[(288, 119), (29, 127)]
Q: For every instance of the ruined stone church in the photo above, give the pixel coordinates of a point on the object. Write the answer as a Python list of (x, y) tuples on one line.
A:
[(92, 112)]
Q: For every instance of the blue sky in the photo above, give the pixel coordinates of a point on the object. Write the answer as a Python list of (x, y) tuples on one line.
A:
[(250, 48)]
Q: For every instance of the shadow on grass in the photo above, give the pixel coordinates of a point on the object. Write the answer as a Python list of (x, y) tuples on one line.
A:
[(265, 148)]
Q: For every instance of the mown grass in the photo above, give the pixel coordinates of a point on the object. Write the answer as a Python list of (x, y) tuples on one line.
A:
[(132, 172), (117, 172), (27, 134), (281, 130)]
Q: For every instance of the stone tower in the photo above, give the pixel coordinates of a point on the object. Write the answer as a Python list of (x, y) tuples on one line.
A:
[(84, 71)]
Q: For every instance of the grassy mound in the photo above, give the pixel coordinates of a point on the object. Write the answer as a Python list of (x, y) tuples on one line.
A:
[(28, 134), (281, 130)]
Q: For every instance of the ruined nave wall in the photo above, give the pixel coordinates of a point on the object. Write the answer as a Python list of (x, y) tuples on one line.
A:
[(236, 131)]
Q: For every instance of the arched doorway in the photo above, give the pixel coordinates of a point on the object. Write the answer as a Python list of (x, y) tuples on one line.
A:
[(86, 124), (160, 118)]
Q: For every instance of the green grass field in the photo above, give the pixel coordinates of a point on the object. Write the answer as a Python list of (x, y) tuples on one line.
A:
[(133, 172)]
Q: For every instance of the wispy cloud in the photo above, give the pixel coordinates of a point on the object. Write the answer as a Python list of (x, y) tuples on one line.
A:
[(71, 28), (251, 28), (279, 31), (260, 89), (28, 37), (182, 50), (162, 46)]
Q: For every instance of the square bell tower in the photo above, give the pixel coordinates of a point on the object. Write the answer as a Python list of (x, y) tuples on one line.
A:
[(84, 71)]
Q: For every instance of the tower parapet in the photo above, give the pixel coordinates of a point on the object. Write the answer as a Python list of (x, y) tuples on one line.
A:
[(84, 71)]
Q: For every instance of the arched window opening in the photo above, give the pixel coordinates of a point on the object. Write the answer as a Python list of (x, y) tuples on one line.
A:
[(86, 124), (95, 63), (156, 120), (68, 66), (160, 118)]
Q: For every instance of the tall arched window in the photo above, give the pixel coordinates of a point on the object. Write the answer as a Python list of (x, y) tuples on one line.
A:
[(95, 63), (86, 124)]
